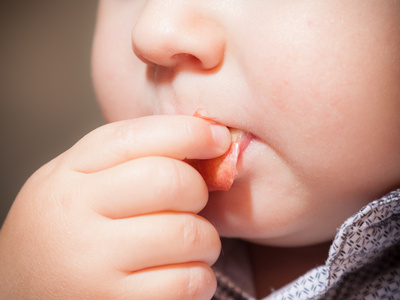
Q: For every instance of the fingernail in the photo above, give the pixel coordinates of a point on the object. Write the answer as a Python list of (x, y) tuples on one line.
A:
[(222, 136)]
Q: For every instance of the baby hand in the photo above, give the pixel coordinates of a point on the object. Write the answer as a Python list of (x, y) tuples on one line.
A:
[(115, 217)]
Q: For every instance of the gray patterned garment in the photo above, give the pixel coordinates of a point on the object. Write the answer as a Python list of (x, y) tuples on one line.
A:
[(363, 263)]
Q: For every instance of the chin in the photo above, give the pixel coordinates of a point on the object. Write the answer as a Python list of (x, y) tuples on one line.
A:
[(263, 218)]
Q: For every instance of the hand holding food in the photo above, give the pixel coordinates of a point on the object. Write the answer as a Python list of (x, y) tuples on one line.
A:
[(115, 217)]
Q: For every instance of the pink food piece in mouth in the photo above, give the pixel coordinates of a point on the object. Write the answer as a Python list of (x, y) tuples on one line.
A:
[(219, 173)]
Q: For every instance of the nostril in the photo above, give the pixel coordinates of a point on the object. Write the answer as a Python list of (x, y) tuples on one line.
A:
[(186, 58)]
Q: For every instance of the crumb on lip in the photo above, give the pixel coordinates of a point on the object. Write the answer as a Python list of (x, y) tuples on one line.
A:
[(203, 114)]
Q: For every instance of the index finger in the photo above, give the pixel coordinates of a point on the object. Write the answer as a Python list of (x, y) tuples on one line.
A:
[(177, 136)]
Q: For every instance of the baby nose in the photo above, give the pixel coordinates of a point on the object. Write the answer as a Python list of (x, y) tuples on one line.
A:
[(169, 33)]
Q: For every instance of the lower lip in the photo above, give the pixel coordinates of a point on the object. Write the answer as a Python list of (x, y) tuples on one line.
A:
[(245, 141), (243, 158)]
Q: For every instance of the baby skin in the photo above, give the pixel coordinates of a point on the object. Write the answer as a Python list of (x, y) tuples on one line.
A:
[(314, 84), (115, 217)]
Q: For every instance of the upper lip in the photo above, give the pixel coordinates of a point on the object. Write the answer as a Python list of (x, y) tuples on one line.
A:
[(222, 119)]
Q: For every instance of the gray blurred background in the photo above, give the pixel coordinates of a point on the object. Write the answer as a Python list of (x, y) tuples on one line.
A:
[(46, 98)]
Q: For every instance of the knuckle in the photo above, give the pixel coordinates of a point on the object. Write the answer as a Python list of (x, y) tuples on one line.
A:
[(125, 133), (179, 182), (201, 237), (175, 183), (178, 178), (215, 246), (192, 232), (200, 283), (187, 129), (197, 131), (172, 178)]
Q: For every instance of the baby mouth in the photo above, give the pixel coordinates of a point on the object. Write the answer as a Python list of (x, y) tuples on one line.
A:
[(220, 172)]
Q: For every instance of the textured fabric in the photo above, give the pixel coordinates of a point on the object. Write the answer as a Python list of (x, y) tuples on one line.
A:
[(363, 263)]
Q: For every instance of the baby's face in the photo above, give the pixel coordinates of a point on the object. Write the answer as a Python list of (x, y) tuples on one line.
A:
[(316, 82)]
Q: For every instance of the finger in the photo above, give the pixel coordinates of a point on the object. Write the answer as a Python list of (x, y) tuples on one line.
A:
[(176, 282), (145, 185), (178, 137), (161, 239)]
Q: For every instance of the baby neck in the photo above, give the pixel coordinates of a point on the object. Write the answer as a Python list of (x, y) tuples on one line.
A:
[(274, 267)]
